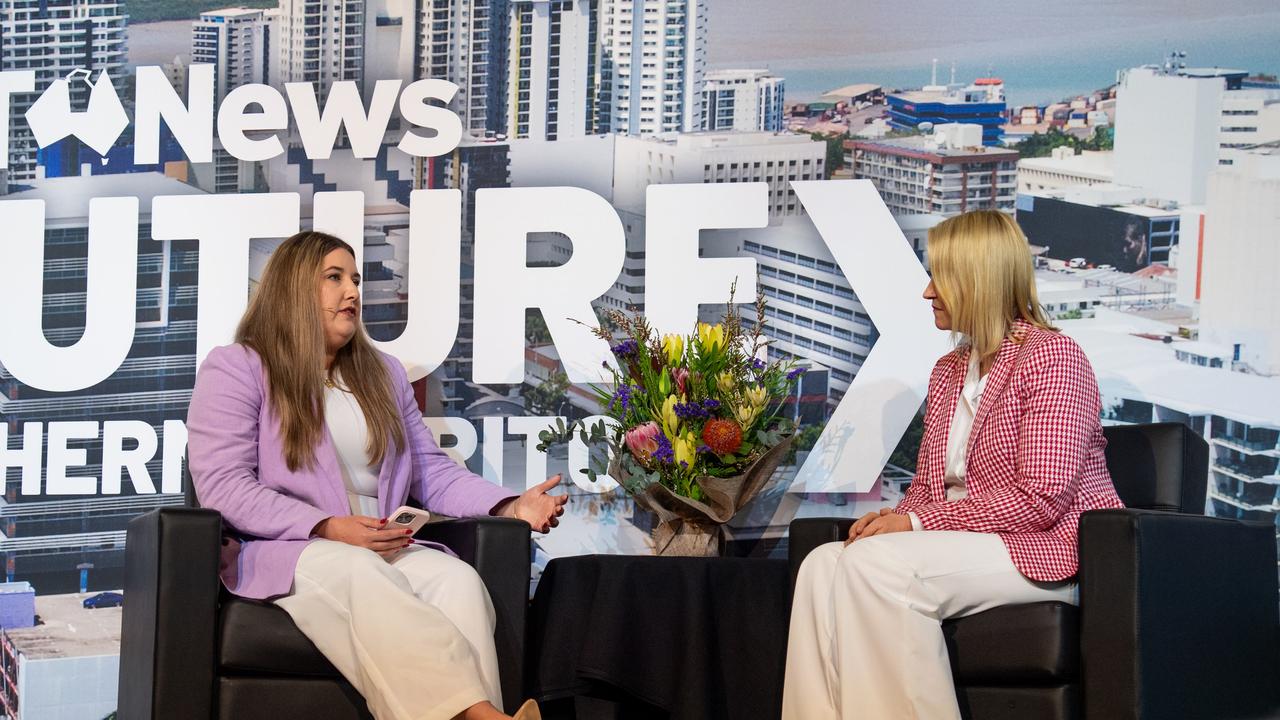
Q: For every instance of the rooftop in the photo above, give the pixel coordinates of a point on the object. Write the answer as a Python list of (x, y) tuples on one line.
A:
[(1145, 369), (68, 198), (925, 144), (67, 629), (1094, 164), (850, 91)]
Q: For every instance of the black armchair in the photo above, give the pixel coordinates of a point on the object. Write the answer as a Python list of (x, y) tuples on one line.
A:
[(189, 649), (1178, 612)]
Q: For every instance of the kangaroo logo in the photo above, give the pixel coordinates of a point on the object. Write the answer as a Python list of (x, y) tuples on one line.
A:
[(52, 119)]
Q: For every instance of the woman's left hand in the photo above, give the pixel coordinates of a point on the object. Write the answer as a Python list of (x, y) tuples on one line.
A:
[(536, 507), (887, 521)]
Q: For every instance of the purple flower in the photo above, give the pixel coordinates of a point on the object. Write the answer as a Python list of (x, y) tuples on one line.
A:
[(757, 364), (703, 449), (795, 373), (621, 398), (710, 404), (664, 453), (626, 348), (690, 411)]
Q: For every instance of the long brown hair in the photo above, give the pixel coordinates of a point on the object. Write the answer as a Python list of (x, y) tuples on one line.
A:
[(982, 269), (283, 325)]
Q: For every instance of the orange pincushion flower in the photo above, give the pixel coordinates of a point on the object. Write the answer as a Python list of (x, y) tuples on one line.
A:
[(722, 436)]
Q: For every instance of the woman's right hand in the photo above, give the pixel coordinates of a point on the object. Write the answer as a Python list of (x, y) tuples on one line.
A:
[(366, 532)]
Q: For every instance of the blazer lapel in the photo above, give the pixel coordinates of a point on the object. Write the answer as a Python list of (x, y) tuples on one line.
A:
[(331, 475), (938, 449), (998, 377)]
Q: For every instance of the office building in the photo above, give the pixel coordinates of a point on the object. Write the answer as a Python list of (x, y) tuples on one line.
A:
[(1065, 168), (718, 157), (52, 38), (1124, 236), (653, 59), (742, 100), (981, 103), (946, 173), (1174, 125), (1239, 299), (551, 72)]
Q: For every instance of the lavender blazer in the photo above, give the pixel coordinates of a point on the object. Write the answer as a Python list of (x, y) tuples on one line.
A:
[(235, 452)]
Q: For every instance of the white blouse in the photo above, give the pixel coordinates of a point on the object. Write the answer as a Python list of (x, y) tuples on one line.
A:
[(958, 436), (346, 424)]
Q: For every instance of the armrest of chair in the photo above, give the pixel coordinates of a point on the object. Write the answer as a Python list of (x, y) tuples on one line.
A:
[(1178, 616), (169, 621), (806, 534), (500, 550)]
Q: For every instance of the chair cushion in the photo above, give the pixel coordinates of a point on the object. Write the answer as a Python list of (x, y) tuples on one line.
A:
[(1055, 702), (277, 698), (259, 637), (1038, 643)]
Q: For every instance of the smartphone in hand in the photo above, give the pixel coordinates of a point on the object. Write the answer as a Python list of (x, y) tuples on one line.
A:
[(408, 518)]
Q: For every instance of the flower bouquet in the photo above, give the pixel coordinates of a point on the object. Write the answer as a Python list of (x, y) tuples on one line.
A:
[(695, 431)]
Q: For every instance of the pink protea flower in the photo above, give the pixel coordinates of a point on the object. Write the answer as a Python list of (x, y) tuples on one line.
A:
[(681, 376), (642, 440)]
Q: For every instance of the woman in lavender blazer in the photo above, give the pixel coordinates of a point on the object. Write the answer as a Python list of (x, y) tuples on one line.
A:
[(306, 438)]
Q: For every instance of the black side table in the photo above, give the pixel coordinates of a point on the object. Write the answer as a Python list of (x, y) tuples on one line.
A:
[(650, 637)]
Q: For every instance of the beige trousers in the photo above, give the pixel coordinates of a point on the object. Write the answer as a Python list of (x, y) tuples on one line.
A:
[(414, 636), (866, 622)]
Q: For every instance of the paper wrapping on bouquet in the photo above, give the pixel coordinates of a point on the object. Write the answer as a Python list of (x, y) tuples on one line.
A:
[(689, 527)]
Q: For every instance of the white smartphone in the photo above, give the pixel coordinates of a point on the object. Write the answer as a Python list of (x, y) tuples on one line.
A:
[(408, 518)]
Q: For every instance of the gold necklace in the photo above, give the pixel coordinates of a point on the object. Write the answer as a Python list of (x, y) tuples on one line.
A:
[(329, 383)]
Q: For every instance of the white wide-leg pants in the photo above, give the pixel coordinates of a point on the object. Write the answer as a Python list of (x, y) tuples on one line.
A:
[(414, 636), (866, 622)]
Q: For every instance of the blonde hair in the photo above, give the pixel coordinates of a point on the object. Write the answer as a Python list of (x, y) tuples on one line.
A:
[(982, 270), (283, 324)]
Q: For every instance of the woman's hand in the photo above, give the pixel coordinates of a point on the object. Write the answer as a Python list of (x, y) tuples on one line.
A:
[(536, 507), (878, 523), (366, 532)]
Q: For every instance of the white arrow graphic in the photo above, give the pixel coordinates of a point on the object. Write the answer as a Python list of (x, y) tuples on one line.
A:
[(890, 386)]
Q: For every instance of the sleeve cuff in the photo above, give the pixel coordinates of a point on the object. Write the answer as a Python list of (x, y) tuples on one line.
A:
[(916, 525)]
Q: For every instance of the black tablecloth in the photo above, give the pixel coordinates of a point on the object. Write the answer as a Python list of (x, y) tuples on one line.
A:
[(696, 637)]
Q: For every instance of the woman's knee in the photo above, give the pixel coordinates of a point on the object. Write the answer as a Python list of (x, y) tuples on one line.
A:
[(873, 556)]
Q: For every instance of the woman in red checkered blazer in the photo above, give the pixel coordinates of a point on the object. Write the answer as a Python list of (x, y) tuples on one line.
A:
[(1012, 454)]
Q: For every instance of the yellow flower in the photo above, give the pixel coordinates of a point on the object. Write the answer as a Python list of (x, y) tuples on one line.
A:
[(726, 383), (685, 449), (757, 397), (673, 347), (711, 336), (746, 414), (670, 421)]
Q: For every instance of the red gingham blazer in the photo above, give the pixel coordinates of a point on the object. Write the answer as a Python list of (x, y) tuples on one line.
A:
[(1035, 454)]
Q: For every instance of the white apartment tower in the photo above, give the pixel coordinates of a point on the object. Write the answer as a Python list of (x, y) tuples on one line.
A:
[(320, 42), (464, 42), (52, 38), (237, 42), (551, 69), (742, 100), (653, 56)]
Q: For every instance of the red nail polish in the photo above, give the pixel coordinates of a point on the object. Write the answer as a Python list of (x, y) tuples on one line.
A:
[(408, 532)]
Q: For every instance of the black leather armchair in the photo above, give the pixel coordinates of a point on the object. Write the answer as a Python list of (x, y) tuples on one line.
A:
[(189, 649), (1178, 612)]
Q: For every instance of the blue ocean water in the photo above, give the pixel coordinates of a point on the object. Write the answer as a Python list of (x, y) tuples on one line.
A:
[(1042, 71)]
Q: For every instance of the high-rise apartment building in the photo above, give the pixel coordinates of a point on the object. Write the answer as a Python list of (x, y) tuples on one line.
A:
[(237, 42), (465, 42), (52, 38), (320, 42), (551, 70), (653, 58), (742, 100)]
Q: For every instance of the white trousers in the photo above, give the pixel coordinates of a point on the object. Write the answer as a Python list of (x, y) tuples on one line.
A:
[(414, 636), (866, 622)]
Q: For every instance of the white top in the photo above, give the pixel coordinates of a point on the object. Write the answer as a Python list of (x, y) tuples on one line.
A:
[(958, 436), (346, 424)]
